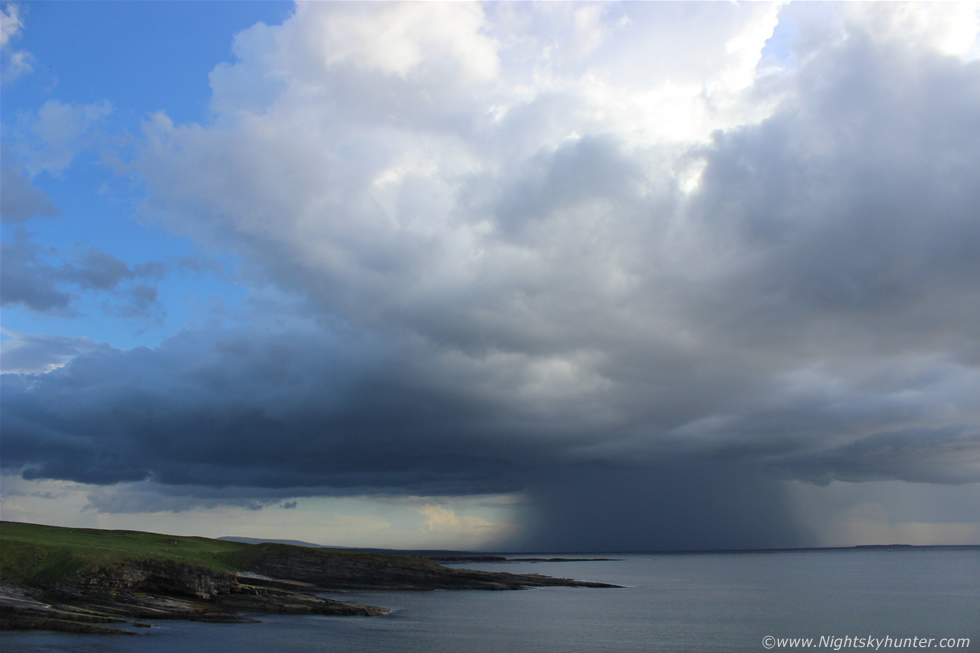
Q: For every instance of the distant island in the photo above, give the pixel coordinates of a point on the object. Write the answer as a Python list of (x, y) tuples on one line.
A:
[(99, 581)]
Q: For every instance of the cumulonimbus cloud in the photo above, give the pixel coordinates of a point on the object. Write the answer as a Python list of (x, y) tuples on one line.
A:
[(537, 255)]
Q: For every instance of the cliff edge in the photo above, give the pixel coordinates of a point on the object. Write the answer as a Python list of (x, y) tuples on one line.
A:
[(96, 581)]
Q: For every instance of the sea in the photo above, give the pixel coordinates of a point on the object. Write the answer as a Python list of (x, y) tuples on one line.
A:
[(838, 599)]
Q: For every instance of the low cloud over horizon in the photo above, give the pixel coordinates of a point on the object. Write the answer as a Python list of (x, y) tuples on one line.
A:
[(668, 275)]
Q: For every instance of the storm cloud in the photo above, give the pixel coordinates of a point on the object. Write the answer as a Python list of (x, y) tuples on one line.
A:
[(644, 292)]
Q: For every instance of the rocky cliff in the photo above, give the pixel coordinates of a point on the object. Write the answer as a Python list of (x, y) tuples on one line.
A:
[(151, 576), (83, 580)]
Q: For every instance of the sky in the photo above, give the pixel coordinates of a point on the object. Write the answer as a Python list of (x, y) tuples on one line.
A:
[(550, 276)]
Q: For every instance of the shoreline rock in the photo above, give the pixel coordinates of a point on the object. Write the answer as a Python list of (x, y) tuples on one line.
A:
[(101, 600), (94, 581)]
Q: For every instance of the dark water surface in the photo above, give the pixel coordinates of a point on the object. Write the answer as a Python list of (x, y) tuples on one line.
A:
[(696, 602)]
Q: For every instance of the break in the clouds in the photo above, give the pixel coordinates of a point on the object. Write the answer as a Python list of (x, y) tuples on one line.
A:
[(646, 265)]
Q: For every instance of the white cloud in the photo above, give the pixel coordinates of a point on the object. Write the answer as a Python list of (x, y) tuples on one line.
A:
[(409, 40), (51, 138), (17, 64), (366, 156), (10, 23), (465, 532), (951, 28), (441, 518), (14, 63)]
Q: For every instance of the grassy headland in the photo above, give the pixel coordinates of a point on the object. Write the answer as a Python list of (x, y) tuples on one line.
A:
[(64, 578), (30, 552)]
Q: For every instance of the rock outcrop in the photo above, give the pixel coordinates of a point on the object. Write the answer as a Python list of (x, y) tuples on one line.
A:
[(152, 576), (339, 570)]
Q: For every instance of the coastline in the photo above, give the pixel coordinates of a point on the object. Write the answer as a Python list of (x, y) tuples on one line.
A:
[(90, 581)]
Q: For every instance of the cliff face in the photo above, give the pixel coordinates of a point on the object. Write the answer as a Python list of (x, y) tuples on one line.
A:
[(100, 598), (83, 580), (153, 577)]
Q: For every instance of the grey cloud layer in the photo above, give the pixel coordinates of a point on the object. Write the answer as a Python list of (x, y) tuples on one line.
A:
[(288, 411), (19, 200), (47, 281), (29, 354), (534, 302)]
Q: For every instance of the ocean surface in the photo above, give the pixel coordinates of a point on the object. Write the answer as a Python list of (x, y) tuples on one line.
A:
[(671, 602)]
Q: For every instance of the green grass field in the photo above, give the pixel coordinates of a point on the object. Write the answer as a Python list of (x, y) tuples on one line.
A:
[(34, 552), (31, 551)]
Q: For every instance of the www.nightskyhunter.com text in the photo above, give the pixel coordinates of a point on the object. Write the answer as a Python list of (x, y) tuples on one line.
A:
[(836, 643)]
